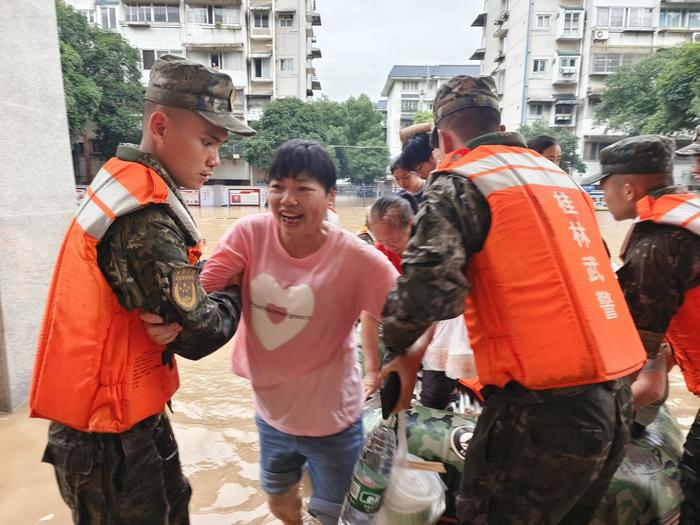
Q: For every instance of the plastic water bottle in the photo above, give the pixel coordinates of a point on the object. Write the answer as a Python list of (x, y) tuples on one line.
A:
[(370, 478)]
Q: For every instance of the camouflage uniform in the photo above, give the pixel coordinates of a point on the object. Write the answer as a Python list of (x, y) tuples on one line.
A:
[(535, 457), (661, 263), (134, 477)]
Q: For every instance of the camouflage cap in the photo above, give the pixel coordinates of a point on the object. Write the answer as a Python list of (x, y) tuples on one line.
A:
[(694, 147), (181, 83), (464, 92), (635, 155)]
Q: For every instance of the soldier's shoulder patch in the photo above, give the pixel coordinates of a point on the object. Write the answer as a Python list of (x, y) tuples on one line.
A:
[(183, 287)]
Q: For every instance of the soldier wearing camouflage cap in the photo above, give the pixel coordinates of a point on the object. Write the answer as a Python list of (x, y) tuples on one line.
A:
[(556, 418), (693, 150), (660, 278), (132, 249)]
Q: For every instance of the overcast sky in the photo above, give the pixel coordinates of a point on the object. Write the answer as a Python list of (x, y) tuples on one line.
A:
[(362, 39)]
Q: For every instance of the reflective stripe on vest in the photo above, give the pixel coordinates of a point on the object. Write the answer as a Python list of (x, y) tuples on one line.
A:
[(107, 198), (545, 309)]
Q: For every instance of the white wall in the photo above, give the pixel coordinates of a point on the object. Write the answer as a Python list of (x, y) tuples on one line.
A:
[(37, 197)]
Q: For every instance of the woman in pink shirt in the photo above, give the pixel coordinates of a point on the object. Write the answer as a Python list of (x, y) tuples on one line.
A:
[(304, 284)]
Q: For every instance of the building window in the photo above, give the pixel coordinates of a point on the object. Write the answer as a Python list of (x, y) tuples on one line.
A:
[(409, 85), (604, 63), (564, 114), (539, 65), (405, 123), (568, 65), (89, 15), (429, 106), (212, 14), (679, 19), (592, 149), (287, 20), (286, 64), (542, 21), (262, 20), (152, 13), (108, 17), (592, 104), (261, 67), (613, 17), (694, 19), (148, 56), (572, 21), (409, 105), (536, 109), (639, 17)]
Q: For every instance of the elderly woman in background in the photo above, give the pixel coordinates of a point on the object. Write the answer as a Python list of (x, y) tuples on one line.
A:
[(390, 220)]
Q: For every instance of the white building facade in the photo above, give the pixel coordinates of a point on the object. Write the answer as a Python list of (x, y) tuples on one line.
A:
[(265, 46), (409, 89), (550, 58)]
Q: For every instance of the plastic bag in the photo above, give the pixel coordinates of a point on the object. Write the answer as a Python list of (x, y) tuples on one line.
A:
[(413, 497), (449, 351)]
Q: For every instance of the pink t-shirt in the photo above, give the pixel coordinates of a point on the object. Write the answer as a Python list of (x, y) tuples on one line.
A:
[(295, 339)]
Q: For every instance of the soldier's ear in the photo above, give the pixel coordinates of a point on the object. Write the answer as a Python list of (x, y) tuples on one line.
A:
[(157, 126)]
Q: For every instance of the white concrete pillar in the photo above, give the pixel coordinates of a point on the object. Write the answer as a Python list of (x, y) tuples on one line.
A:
[(37, 192)]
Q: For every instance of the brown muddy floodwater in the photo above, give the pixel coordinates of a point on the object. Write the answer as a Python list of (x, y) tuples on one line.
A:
[(213, 421)]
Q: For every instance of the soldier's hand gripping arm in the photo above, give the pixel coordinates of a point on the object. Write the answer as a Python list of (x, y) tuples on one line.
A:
[(144, 258), (450, 227)]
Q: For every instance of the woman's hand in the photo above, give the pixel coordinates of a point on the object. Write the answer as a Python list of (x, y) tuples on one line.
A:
[(157, 331), (372, 382)]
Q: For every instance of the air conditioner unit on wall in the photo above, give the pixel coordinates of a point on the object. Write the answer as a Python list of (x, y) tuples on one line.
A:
[(600, 34), (696, 37)]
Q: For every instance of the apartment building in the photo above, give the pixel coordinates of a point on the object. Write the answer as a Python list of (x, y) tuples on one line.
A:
[(409, 89), (550, 58), (266, 46)]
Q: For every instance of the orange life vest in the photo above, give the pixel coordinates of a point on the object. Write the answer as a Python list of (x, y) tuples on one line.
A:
[(683, 334), (545, 308), (96, 370)]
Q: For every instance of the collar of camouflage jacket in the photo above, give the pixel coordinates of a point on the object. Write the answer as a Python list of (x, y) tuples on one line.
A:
[(132, 153), (501, 138), (668, 190)]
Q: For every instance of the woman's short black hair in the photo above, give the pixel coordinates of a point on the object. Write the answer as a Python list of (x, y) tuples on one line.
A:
[(395, 164), (416, 150), (298, 156), (541, 143)]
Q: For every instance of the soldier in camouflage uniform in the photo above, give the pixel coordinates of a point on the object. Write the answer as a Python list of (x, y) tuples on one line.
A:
[(536, 456), (134, 477), (661, 268)]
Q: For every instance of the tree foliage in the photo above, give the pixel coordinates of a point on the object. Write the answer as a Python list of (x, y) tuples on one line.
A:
[(570, 159), (102, 80), (660, 94), (351, 130), (422, 117)]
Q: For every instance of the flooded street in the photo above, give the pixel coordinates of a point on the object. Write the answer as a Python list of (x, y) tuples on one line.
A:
[(213, 421)]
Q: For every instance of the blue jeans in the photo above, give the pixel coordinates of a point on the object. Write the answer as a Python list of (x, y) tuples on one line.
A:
[(330, 461)]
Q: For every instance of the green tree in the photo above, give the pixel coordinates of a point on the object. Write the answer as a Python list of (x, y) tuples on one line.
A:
[(660, 94), (351, 130), (570, 159), (101, 77), (422, 116), (282, 120), (363, 140)]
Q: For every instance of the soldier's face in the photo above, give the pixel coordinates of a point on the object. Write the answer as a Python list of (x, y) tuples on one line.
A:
[(189, 150), (299, 205), (620, 197)]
